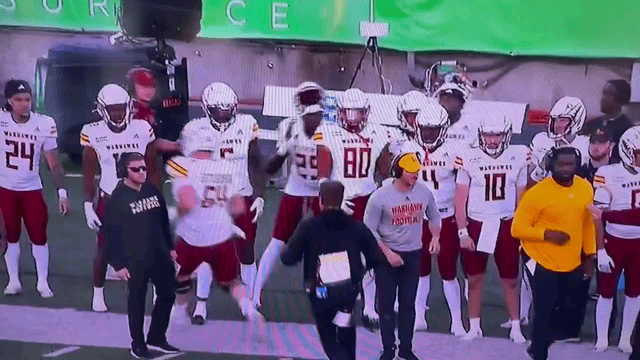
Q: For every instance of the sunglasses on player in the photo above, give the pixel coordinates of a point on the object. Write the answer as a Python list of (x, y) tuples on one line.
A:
[(138, 169)]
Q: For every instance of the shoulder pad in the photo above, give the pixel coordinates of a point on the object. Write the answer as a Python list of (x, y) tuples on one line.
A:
[(177, 167)]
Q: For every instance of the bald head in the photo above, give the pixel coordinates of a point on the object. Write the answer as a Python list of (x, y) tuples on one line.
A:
[(331, 193)]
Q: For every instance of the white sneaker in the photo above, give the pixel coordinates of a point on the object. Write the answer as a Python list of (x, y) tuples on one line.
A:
[(457, 329), (421, 321), (199, 313), (98, 304), (601, 346), (44, 290), (517, 337), (507, 324), (625, 346), (472, 335), (259, 324), (13, 288)]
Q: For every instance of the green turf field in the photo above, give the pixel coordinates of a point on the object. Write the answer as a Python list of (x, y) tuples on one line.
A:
[(72, 246)]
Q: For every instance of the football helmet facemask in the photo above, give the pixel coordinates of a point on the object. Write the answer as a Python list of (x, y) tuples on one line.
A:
[(573, 110), (408, 108), (353, 110), (431, 126), (114, 106), (629, 147), (494, 135), (308, 94), (220, 103)]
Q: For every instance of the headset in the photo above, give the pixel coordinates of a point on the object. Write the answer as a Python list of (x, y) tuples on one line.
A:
[(553, 156), (396, 170), (121, 164)]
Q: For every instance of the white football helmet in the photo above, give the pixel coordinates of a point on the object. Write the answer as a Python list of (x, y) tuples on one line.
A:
[(197, 139), (628, 147), (455, 89), (307, 94), (567, 107), (220, 103), (431, 125), (494, 126), (114, 106), (353, 110), (410, 103)]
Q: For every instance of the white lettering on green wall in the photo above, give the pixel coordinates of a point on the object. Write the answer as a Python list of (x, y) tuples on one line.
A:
[(102, 6), (234, 21), (279, 15)]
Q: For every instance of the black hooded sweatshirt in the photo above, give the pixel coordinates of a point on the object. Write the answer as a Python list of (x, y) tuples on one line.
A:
[(330, 232)]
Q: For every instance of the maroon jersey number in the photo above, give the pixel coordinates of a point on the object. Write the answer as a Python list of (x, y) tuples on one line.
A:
[(214, 195), (307, 166), (225, 151), (430, 176), (635, 198), (494, 185), (23, 153), (357, 162)]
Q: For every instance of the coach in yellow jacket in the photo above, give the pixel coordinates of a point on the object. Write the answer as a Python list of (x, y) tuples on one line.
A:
[(556, 228)]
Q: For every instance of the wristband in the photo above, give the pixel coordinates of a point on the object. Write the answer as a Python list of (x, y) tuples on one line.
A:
[(62, 193), (463, 232)]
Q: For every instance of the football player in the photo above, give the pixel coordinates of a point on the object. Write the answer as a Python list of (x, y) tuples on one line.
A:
[(490, 181), (439, 174), (618, 188), (25, 136), (103, 142), (295, 141), (567, 116), (208, 194), (353, 153), (453, 96), (408, 108), (236, 137)]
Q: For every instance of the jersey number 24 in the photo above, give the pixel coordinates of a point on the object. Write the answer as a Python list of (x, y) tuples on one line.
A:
[(22, 153)]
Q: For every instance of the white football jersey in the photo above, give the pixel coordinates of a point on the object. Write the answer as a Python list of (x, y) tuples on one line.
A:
[(620, 189), (542, 144), (109, 145), (354, 155), (493, 182), (438, 173), (397, 140), (23, 145), (233, 145), (303, 173), (214, 182), (463, 133)]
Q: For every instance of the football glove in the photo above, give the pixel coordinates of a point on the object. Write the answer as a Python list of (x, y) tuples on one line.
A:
[(92, 218), (605, 262), (258, 207)]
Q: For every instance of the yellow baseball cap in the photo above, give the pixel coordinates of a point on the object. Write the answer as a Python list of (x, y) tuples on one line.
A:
[(409, 162)]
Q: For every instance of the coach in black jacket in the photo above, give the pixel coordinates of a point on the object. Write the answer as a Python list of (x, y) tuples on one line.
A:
[(329, 244), (140, 249)]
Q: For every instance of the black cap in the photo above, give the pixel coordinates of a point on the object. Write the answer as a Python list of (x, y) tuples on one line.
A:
[(13, 87), (601, 135)]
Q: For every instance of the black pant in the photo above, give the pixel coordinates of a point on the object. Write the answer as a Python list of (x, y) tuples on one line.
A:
[(551, 290), (635, 342), (404, 280), (162, 275), (339, 343)]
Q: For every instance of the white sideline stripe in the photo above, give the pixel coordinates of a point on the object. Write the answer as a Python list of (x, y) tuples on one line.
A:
[(284, 340), (62, 351)]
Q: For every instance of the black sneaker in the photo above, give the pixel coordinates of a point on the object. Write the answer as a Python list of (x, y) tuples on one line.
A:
[(140, 351), (163, 347), (389, 354), (407, 356), (529, 351)]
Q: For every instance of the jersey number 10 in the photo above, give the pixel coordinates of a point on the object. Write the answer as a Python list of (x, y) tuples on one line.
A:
[(23, 153), (494, 185)]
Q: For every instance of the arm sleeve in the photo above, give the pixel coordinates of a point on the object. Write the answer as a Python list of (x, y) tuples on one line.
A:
[(588, 234), (373, 214), (432, 210), (623, 217), (370, 248), (296, 245), (166, 223), (524, 221), (112, 228)]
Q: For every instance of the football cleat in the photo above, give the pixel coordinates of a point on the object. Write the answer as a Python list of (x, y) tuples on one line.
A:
[(472, 335), (13, 288), (44, 290), (601, 346), (421, 321)]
